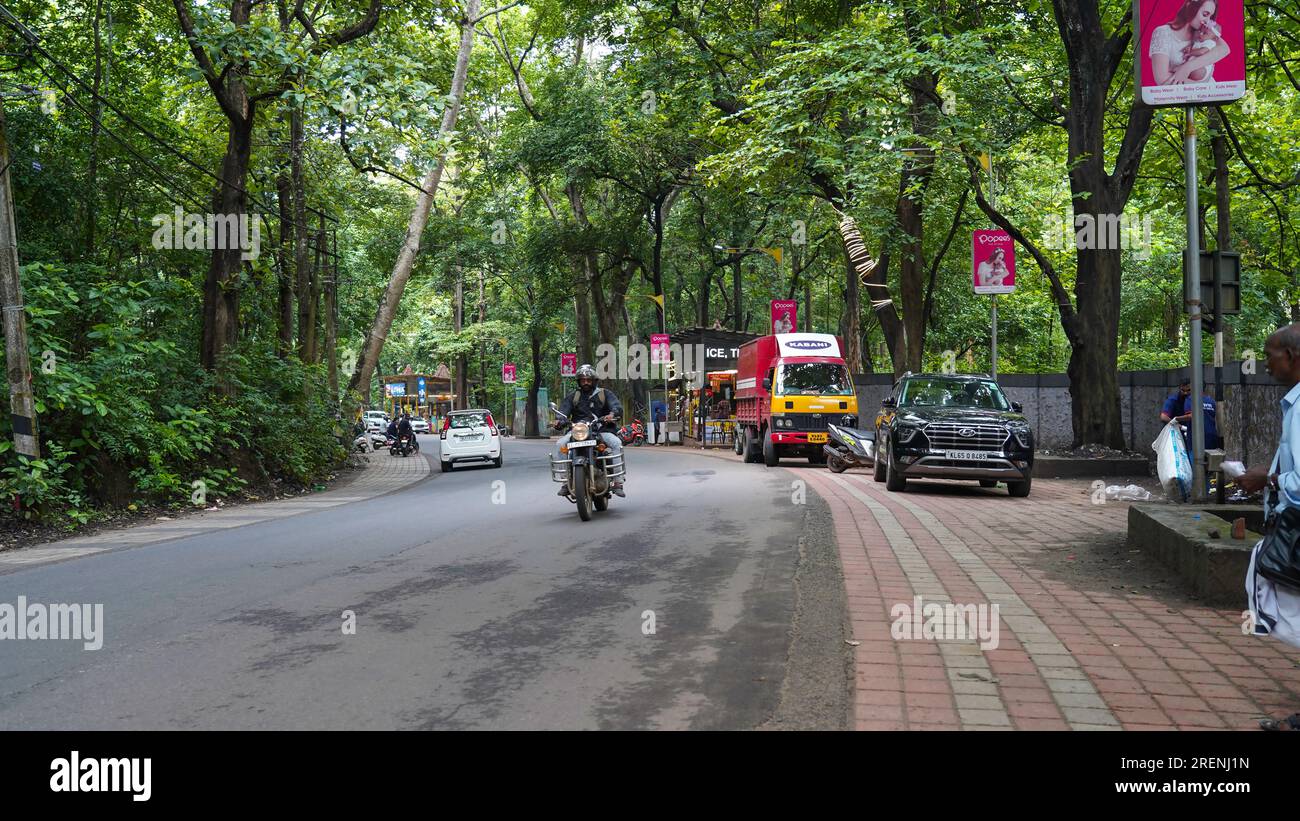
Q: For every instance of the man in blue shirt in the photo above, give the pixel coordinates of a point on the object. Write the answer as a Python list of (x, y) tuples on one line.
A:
[(1179, 406)]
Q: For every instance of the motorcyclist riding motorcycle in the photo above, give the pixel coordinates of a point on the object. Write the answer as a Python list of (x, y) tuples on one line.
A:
[(404, 429), (588, 401)]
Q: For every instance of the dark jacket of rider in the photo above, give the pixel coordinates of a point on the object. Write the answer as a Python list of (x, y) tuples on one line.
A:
[(591, 404)]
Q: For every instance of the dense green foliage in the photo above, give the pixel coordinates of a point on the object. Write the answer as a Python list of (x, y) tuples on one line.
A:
[(606, 152)]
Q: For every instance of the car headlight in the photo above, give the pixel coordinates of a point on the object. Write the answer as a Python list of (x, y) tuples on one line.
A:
[(581, 430), (1023, 436), (849, 421), (907, 434)]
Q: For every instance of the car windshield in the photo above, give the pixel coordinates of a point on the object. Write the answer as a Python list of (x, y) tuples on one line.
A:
[(953, 393), (813, 379), (468, 420)]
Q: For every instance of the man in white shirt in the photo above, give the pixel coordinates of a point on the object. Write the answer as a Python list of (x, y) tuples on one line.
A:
[(1275, 608)]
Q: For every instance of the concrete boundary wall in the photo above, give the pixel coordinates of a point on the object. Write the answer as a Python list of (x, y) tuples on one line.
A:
[(1249, 416)]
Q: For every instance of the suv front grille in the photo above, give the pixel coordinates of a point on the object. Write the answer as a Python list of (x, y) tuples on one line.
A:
[(947, 436)]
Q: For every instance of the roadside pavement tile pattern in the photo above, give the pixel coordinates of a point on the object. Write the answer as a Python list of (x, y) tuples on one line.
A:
[(1086, 656), (381, 474)]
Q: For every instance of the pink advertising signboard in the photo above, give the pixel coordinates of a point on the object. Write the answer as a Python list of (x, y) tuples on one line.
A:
[(993, 262), (1189, 52), (508, 373), (568, 364), (659, 349), (785, 316)]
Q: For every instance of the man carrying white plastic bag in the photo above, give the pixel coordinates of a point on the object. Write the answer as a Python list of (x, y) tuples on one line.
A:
[(1275, 607), (1173, 465)]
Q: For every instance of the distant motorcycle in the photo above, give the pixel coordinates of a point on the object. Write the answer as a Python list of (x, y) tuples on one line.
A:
[(401, 446), (632, 434)]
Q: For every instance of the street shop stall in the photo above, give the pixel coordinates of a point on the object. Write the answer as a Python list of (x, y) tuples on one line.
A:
[(420, 394), (704, 387)]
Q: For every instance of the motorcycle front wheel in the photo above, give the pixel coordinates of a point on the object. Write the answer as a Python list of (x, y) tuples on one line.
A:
[(581, 493)]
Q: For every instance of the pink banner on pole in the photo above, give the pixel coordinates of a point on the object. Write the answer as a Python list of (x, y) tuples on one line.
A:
[(785, 316), (1189, 52), (568, 364), (993, 262), (659, 349), (508, 373)]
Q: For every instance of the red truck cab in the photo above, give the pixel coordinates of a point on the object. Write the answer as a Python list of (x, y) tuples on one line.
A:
[(788, 387)]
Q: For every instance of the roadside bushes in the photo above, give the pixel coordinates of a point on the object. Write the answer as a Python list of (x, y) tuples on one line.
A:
[(126, 414)]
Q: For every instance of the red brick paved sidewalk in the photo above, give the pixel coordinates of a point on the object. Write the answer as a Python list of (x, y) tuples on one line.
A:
[(1067, 658)]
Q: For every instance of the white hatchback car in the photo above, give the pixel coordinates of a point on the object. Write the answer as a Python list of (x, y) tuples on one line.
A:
[(376, 420), (469, 436)]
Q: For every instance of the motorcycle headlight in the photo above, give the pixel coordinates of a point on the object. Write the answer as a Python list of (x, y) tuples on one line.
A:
[(581, 430), (907, 434)]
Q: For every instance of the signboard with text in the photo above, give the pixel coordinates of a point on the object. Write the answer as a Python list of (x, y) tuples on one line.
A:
[(568, 364), (1188, 52), (508, 373), (785, 316), (659, 349), (993, 262), (395, 388)]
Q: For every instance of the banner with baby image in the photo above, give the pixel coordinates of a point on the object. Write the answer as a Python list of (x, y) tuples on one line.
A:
[(1189, 52), (993, 261)]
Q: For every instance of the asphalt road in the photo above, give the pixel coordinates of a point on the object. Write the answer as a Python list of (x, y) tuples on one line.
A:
[(469, 613)]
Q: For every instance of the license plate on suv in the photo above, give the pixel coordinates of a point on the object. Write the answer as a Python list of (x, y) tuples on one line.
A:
[(816, 438), (978, 455)]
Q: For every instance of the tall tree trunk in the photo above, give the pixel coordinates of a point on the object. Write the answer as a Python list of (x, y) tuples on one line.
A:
[(1094, 59), (458, 321), (284, 258), (332, 321), (302, 270), (92, 164), (737, 313), (530, 411), (314, 293), (1223, 212), (918, 168), (221, 285), (392, 295)]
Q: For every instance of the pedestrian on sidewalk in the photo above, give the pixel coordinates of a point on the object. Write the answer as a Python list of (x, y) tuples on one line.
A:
[(1275, 608)]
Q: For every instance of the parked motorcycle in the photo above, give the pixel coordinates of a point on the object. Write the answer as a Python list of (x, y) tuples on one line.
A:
[(849, 448), (363, 444), (632, 434), (589, 469)]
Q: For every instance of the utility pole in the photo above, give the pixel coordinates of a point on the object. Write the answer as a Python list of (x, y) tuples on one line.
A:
[(18, 367), (1192, 287)]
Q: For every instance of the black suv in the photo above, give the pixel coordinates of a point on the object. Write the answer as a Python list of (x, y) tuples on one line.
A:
[(952, 426)]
